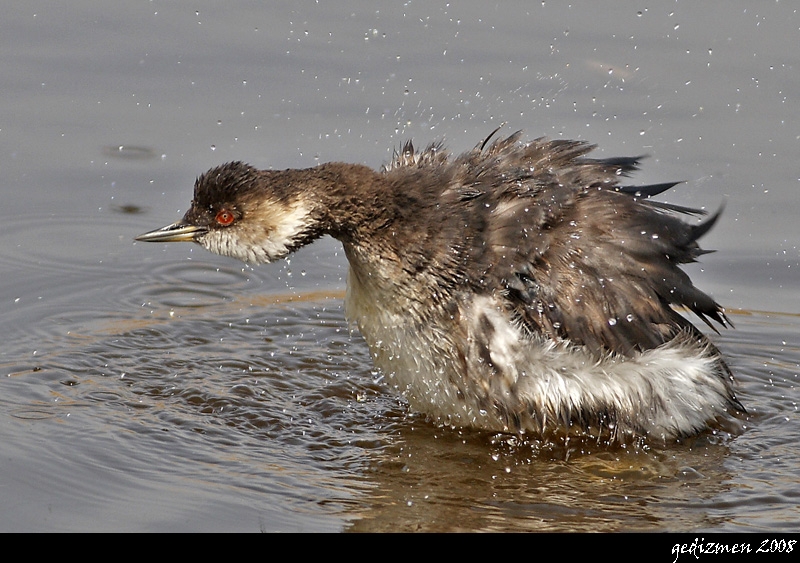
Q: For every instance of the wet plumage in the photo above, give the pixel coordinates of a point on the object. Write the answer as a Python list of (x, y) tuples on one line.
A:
[(517, 287)]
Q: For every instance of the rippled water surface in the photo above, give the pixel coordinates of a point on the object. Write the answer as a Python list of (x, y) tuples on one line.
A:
[(159, 388)]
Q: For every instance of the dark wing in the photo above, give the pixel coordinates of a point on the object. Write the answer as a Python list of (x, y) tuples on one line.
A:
[(578, 256)]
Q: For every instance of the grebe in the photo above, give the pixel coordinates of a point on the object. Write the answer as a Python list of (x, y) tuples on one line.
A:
[(518, 287)]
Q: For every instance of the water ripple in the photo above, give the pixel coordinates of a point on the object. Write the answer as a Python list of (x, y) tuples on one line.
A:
[(271, 395)]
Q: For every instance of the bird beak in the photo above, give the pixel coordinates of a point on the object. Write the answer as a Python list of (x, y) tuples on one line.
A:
[(177, 232)]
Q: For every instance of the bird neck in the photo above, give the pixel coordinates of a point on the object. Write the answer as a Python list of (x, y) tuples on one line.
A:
[(347, 199)]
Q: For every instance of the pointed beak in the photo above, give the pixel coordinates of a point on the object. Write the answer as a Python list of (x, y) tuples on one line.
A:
[(177, 232)]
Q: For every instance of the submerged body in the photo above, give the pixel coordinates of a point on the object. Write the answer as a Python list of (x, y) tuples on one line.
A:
[(516, 288)]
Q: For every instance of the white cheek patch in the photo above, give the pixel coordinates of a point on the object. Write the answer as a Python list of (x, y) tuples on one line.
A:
[(227, 242), (268, 236)]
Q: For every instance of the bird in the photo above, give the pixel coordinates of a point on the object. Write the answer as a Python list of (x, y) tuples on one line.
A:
[(521, 287)]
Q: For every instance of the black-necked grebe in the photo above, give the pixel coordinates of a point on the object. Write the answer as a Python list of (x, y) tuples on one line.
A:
[(518, 287)]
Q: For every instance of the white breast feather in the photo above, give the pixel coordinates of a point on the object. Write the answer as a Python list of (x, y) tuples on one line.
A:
[(666, 392)]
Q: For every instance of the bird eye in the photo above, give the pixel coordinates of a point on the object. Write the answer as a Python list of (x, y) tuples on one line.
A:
[(224, 217)]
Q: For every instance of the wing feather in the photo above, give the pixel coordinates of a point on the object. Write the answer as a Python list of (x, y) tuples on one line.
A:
[(578, 256)]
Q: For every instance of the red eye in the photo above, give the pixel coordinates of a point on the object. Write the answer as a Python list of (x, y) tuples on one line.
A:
[(224, 217)]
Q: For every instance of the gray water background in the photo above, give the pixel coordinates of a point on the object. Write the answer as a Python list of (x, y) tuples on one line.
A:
[(161, 388)]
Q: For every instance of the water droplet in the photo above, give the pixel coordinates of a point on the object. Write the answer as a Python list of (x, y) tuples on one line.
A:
[(612, 321)]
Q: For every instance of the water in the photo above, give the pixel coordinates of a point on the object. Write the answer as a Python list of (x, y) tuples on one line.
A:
[(160, 388)]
